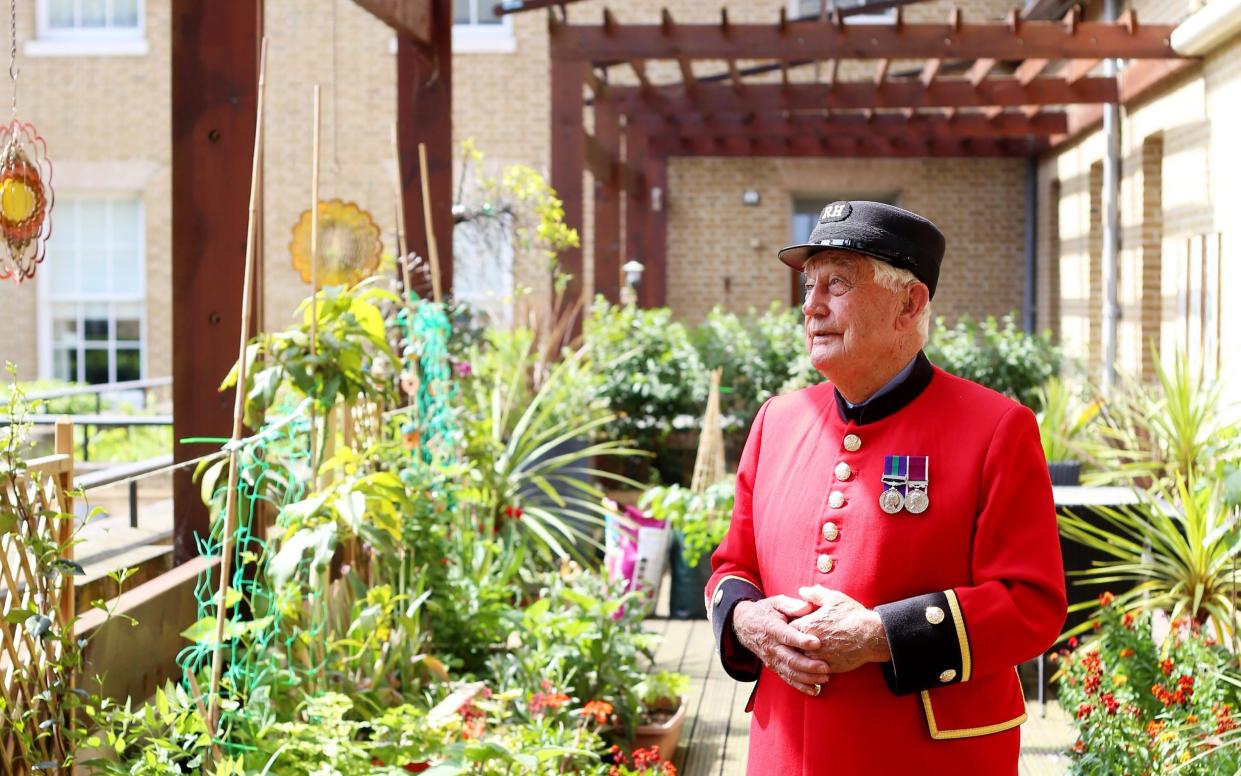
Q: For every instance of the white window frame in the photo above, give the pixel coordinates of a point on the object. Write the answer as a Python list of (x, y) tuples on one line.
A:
[(475, 38), (887, 16), (47, 300), (105, 41)]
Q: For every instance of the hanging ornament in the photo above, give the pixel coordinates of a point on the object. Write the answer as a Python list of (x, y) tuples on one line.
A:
[(350, 248), (26, 195)]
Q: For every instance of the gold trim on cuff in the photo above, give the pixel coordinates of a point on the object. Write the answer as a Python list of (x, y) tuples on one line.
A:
[(708, 596), (963, 639), (942, 735)]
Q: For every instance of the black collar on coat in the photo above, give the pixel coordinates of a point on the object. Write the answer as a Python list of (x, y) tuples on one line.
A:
[(891, 402)]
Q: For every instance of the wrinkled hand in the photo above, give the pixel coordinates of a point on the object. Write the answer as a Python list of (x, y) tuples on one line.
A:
[(849, 634), (763, 628)]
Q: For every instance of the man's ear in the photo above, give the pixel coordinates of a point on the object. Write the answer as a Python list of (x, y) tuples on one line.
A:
[(917, 297)]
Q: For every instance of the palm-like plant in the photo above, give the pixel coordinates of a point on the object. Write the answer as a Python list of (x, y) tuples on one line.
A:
[(1175, 429), (1062, 419), (1176, 547), (533, 447)]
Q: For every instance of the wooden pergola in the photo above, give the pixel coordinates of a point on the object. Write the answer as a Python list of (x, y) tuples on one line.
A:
[(817, 87)]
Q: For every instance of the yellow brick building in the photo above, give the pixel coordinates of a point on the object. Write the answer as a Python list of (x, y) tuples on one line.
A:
[(99, 90)]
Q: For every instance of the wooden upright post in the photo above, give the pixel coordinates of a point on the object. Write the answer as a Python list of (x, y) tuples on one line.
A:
[(215, 63), (569, 159), (607, 207), (654, 291), (64, 531), (637, 198), (424, 115)]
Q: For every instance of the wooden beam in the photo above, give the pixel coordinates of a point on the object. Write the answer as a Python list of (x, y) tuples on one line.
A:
[(654, 289), (637, 198), (942, 93), (1078, 69), (639, 70), (687, 74), (409, 17), (850, 146), (1137, 82), (929, 71), (568, 160), (607, 205), (979, 71), (517, 6), (424, 116), (877, 125), (735, 76), (809, 40), (881, 72), (215, 62), (1030, 69)]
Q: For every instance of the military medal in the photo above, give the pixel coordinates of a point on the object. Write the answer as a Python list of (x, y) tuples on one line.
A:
[(894, 478), (916, 498)]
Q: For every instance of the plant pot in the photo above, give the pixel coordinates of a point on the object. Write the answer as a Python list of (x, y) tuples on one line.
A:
[(1065, 472), (685, 599), (664, 734)]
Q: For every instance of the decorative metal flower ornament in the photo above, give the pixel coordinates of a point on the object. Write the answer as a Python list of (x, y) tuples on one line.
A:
[(350, 248)]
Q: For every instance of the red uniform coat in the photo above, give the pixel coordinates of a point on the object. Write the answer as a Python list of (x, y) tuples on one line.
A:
[(966, 590)]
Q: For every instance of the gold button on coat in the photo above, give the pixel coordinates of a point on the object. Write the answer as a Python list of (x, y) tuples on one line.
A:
[(843, 472), (836, 500), (934, 615), (853, 443), (948, 676), (825, 563), (830, 531), (719, 596)]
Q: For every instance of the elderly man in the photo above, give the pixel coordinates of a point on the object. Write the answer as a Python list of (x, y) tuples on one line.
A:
[(893, 552)]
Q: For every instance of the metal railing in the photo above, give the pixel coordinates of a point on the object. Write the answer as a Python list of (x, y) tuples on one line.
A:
[(130, 474)]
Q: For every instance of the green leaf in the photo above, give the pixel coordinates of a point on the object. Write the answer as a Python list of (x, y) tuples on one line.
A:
[(19, 616)]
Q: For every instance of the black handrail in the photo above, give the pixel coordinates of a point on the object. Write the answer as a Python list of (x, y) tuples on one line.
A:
[(131, 472)]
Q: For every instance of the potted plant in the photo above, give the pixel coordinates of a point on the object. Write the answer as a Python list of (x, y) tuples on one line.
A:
[(662, 697), (1060, 423), (699, 522)]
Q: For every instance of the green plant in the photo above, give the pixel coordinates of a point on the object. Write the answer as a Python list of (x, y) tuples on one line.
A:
[(650, 374), (1177, 548), (1179, 428), (531, 449), (663, 690), (1142, 707), (701, 519), (998, 355), (1062, 419)]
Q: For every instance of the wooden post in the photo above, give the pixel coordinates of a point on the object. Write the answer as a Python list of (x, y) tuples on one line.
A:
[(607, 208), (654, 291), (637, 198), (424, 115), (64, 530), (569, 160), (215, 62)]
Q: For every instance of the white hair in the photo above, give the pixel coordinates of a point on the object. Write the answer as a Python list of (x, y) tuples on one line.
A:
[(892, 278)]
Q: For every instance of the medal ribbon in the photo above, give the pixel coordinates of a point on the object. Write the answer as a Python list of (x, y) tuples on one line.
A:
[(919, 467), (894, 468)]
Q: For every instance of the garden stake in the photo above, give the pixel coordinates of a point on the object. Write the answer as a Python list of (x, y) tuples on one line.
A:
[(314, 280), (230, 522), (406, 275), (432, 249)]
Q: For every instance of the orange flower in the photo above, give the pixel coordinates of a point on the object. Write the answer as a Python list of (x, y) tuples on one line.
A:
[(600, 710), (1106, 598), (1126, 652)]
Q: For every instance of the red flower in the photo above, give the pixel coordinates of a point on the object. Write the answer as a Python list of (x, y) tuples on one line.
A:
[(1166, 665), (1106, 598), (1092, 683), (1072, 642), (1126, 652), (1127, 620), (1079, 747), (1110, 702), (1084, 710), (416, 767), (513, 512)]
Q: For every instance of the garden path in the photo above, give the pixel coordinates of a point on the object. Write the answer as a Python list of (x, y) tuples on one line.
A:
[(715, 736)]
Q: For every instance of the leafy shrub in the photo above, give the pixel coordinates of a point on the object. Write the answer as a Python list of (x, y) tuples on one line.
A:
[(651, 375), (998, 355), (1140, 707)]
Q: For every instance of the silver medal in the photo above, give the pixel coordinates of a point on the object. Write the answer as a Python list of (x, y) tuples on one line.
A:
[(916, 501), (891, 501)]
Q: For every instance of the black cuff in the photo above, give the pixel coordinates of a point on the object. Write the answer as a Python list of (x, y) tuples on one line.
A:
[(738, 662), (926, 635)]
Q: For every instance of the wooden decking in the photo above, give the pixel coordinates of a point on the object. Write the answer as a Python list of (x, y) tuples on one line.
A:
[(715, 737)]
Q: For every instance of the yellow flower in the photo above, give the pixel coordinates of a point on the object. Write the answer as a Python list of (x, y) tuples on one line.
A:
[(1119, 680)]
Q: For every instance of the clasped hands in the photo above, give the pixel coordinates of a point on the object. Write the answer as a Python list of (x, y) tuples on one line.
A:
[(805, 640)]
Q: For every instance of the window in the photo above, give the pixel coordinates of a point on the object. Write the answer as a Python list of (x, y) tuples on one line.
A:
[(92, 288), (482, 249), (476, 29), (803, 8), (89, 28)]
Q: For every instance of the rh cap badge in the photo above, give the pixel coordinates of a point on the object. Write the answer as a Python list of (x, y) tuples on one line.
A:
[(837, 211)]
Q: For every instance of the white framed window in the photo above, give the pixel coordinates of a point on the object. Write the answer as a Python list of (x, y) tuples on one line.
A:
[(483, 254), (92, 291), (89, 28), (800, 9), (476, 29)]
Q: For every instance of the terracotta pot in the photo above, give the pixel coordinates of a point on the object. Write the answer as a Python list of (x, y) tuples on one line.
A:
[(664, 735)]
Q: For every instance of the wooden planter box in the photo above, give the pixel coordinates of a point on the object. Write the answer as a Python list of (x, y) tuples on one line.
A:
[(665, 735)]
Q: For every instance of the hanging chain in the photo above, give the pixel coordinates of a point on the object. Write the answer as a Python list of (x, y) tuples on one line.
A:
[(14, 70)]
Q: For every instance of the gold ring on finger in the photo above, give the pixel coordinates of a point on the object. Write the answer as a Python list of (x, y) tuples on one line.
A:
[(818, 688)]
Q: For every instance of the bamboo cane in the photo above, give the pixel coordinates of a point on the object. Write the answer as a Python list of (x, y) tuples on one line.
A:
[(314, 281), (230, 522), (433, 253)]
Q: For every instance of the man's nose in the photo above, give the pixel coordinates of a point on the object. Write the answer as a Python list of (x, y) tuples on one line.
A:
[(815, 302)]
